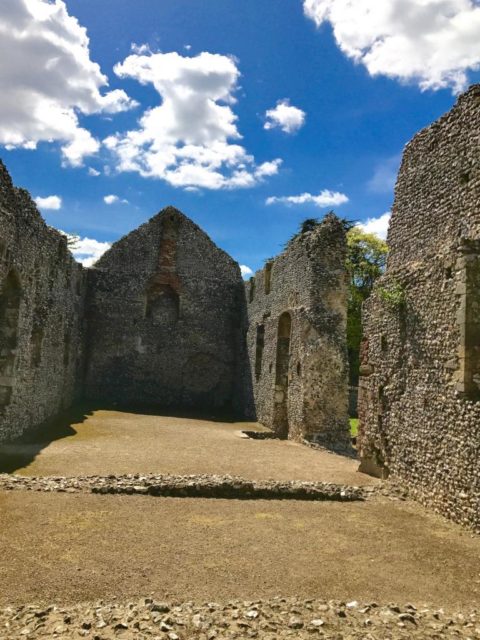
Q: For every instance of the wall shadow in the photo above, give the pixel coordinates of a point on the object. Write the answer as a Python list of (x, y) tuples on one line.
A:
[(20, 452)]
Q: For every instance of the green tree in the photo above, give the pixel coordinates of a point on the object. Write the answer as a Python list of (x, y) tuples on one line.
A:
[(366, 259)]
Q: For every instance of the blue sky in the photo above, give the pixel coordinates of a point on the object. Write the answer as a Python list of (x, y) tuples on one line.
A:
[(344, 91)]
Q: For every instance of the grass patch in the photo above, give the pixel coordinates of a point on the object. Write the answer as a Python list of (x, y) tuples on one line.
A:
[(353, 427)]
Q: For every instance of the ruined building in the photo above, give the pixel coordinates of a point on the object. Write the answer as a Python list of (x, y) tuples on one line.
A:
[(164, 315), (42, 292), (162, 319), (420, 363), (296, 337)]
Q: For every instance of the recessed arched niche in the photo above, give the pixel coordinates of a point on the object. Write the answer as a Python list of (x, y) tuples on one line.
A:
[(163, 306), (10, 297)]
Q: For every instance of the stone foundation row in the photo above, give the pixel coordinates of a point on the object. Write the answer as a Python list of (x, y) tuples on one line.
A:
[(194, 486), (266, 619)]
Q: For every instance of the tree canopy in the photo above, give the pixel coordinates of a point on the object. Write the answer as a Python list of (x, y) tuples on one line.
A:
[(366, 260)]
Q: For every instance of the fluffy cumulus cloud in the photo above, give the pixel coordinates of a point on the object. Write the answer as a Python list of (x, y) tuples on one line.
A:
[(47, 79), (86, 250), (324, 199), (52, 203), (431, 42), (285, 117), (113, 199), (246, 271), (191, 139), (378, 226)]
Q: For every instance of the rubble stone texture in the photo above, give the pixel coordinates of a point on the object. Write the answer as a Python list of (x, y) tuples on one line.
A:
[(267, 619), (296, 337), (161, 319), (42, 292), (191, 486), (420, 385), (164, 318)]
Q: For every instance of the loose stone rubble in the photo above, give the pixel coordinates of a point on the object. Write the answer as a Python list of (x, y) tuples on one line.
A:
[(199, 486), (265, 619)]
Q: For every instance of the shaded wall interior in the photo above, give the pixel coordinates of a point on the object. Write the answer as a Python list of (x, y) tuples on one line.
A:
[(41, 318), (164, 313)]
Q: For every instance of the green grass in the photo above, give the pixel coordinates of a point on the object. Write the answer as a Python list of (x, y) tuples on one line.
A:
[(353, 427)]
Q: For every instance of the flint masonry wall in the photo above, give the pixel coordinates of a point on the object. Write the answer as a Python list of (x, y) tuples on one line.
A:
[(420, 384), (41, 302), (296, 338), (164, 318)]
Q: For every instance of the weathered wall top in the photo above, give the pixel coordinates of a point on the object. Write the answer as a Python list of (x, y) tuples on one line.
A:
[(437, 199)]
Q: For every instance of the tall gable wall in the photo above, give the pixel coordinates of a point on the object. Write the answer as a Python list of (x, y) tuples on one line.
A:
[(164, 318)]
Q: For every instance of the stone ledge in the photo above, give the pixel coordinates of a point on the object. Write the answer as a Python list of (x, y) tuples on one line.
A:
[(267, 619), (197, 486)]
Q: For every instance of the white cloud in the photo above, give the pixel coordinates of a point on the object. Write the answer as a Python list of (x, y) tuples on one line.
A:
[(49, 202), (113, 199), (187, 140), (48, 79), (378, 226), (325, 198), (86, 250), (384, 176), (246, 271), (93, 172), (431, 42), (285, 116)]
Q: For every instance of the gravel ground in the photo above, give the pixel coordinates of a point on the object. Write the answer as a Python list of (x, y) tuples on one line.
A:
[(115, 442), (265, 619), (69, 548)]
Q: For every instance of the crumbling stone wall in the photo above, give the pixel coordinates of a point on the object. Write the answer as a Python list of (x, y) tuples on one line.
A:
[(164, 318), (41, 301), (296, 337), (420, 384)]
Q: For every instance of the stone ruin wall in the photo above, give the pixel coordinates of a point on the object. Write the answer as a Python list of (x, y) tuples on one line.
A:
[(41, 309), (296, 338), (164, 312), (420, 383)]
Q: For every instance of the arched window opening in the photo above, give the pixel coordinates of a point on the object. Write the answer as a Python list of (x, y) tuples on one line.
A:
[(10, 297), (259, 350), (36, 346), (163, 306), (281, 375), (283, 349), (268, 277), (251, 293), (66, 348)]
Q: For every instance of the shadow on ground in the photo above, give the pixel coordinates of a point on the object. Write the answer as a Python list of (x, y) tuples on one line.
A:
[(21, 452)]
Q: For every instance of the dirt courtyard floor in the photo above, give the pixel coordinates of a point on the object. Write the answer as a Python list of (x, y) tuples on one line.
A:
[(114, 442), (71, 548)]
